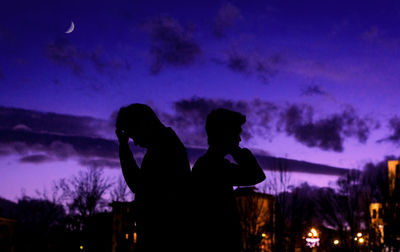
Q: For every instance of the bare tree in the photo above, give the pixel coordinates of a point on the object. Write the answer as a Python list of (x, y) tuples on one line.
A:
[(256, 211), (277, 184), (120, 191), (83, 194)]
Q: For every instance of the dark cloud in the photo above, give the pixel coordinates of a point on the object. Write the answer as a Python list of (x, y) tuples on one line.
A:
[(35, 159), (104, 65), (313, 90), (38, 137), (41, 137), (263, 68), (171, 44), (42, 122), (44, 147), (2, 77), (394, 127), (238, 63), (100, 163), (63, 52), (190, 116), (58, 146), (276, 164), (225, 18), (328, 133), (270, 163)]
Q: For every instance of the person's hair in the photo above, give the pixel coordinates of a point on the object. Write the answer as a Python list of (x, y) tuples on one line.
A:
[(220, 121), (128, 115)]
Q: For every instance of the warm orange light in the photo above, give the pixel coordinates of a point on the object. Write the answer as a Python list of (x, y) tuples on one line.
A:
[(336, 242), (310, 234), (359, 234), (134, 237), (127, 236), (264, 235), (314, 232), (81, 247), (361, 240)]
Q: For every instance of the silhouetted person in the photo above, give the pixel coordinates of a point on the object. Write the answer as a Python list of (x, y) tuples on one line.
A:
[(159, 184), (217, 224)]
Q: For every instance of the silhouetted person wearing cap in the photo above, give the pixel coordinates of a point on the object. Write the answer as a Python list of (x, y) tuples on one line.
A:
[(160, 183), (216, 221)]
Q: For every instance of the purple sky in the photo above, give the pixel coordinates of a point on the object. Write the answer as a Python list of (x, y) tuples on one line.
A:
[(318, 81)]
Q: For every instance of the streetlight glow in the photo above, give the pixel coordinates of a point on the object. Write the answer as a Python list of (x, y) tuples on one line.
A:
[(336, 242), (314, 232), (359, 234)]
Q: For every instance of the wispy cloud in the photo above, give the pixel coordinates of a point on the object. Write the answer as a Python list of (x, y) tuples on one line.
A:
[(62, 52), (227, 15), (312, 90), (394, 128), (252, 64), (36, 159), (372, 34), (65, 53), (171, 44), (42, 122)]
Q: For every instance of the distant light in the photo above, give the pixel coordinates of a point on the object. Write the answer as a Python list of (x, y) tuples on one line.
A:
[(264, 235), (81, 247), (336, 242), (310, 234), (127, 236), (314, 232), (361, 240), (312, 242), (134, 237), (355, 238), (359, 234)]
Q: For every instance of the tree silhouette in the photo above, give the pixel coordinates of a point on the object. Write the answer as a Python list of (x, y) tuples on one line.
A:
[(83, 195)]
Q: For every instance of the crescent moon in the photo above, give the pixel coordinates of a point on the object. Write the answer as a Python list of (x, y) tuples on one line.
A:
[(71, 28)]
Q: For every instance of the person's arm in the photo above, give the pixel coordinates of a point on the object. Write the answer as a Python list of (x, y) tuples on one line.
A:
[(246, 171), (130, 169)]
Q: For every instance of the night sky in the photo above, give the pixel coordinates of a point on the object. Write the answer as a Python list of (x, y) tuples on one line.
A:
[(317, 80)]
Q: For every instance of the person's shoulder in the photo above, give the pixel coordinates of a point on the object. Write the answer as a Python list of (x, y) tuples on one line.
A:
[(200, 163), (171, 137)]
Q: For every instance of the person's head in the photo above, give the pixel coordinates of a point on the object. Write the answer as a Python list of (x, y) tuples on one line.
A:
[(223, 128), (139, 122)]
